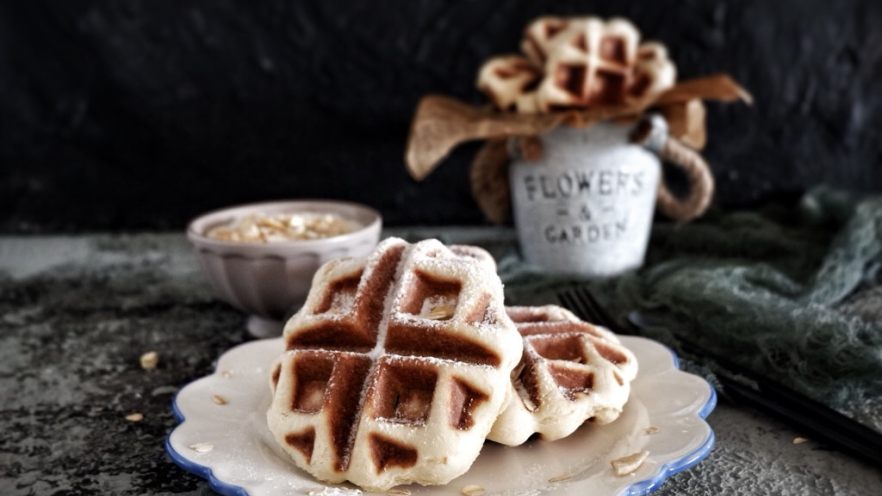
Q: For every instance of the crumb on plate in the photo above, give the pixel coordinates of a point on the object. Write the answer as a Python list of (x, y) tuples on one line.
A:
[(629, 464)]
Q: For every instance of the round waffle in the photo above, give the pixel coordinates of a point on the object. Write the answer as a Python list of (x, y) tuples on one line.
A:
[(577, 63), (396, 366), (510, 81), (538, 35), (570, 372), (653, 71), (589, 62)]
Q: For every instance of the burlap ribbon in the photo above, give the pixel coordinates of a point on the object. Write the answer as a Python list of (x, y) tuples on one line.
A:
[(441, 123)]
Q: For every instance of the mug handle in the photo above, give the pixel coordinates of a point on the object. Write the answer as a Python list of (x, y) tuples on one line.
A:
[(653, 134)]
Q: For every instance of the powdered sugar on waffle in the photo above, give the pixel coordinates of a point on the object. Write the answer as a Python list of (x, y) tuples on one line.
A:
[(570, 372), (396, 366)]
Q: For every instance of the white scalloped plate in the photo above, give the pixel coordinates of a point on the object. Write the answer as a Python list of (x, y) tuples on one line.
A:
[(244, 460)]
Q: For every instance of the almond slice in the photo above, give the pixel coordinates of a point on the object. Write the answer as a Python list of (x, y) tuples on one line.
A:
[(560, 478), (629, 464), (201, 447), (149, 360), (473, 490), (440, 312)]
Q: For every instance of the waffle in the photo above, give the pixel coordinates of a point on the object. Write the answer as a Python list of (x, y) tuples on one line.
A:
[(396, 367), (510, 82), (653, 71), (571, 371), (574, 63), (589, 63), (538, 35)]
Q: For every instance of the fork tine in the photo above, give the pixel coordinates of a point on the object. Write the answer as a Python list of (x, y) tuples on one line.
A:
[(595, 316), (585, 312), (603, 318), (563, 297), (572, 301)]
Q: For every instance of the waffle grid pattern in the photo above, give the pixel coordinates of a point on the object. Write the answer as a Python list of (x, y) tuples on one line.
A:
[(396, 368), (570, 372)]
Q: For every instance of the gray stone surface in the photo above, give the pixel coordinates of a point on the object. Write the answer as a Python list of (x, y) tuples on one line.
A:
[(77, 312)]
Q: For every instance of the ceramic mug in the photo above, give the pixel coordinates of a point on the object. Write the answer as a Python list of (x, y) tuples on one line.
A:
[(585, 204)]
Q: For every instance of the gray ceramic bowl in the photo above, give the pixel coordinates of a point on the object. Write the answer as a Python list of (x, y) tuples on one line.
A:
[(270, 281)]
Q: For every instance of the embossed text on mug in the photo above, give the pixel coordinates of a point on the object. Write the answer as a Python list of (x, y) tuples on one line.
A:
[(591, 213), (568, 183)]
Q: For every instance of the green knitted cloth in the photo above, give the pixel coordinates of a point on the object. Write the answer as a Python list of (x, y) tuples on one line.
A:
[(790, 292)]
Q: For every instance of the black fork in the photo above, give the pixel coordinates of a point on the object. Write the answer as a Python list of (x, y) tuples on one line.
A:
[(799, 411), (582, 303)]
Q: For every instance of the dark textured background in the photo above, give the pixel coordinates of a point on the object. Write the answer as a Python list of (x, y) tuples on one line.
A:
[(140, 114)]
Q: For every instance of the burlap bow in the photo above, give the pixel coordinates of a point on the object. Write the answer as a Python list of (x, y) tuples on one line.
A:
[(441, 123)]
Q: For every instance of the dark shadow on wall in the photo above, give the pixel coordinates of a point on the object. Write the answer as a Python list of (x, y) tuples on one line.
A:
[(139, 115)]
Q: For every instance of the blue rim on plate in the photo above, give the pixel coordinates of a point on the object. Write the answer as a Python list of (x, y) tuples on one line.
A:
[(194, 468), (642, 487)]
